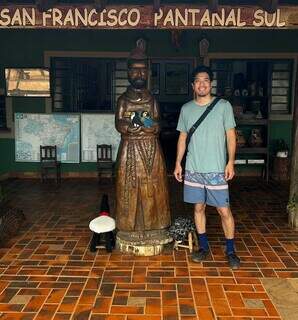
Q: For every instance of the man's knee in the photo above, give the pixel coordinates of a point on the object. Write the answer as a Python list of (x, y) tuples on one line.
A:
[(225, 212), (200, 208)]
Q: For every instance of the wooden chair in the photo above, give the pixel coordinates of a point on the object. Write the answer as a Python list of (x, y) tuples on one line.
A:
[(48, 161), (104, 159)]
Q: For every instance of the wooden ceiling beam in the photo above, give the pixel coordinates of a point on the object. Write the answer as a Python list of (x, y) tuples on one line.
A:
[(213, 5), (269, 5)]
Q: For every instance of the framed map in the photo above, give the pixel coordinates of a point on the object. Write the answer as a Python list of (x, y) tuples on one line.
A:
[(98, 129), (33, 130)]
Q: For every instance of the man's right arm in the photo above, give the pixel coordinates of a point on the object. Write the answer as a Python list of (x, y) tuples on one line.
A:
[(181, 146)]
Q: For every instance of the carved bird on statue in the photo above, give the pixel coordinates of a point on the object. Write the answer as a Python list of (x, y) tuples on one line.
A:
[(135, 119), (146, 119)]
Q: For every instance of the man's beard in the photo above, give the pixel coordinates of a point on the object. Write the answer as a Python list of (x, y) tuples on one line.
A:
[(138, 83), (202, 95)]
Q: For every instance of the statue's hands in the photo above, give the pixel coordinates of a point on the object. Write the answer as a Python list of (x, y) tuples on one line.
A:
[(132, 129), (153, 129)]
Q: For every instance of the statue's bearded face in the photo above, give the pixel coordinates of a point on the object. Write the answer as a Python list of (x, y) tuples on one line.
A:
[(138, 74)]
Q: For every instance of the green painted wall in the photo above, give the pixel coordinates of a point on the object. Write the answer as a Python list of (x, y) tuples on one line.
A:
[(33, 105), (281, 130), (25, 48)]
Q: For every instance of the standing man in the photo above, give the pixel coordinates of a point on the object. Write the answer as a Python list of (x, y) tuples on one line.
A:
[(207, 170)]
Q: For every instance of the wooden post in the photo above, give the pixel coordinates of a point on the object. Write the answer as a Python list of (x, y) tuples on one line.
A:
[(269, 5), (293, 212)]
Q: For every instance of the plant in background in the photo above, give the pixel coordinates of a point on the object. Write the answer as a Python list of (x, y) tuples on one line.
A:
[(280, 148)]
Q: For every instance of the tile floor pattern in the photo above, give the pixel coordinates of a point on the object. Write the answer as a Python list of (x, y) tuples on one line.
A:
[(47, 271)]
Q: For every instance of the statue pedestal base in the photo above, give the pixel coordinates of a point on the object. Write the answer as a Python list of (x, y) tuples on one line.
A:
[(142, 243)]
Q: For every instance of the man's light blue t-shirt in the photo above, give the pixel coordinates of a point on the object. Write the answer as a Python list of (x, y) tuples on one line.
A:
[(207, 148)]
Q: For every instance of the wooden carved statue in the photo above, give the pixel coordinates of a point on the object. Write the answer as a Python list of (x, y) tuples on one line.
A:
[(142, 203)]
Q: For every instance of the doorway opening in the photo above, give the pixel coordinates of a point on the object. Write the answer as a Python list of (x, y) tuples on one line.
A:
[(170, 85)]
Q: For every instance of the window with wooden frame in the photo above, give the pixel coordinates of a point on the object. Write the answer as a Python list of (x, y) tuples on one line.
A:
[(27, 82), (281, 76), (269, 80), (86, 84)]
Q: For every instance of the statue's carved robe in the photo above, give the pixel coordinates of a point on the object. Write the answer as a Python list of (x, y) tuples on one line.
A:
[(142, 201)]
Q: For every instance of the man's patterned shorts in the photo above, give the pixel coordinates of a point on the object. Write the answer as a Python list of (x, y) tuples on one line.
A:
[(208, 188)]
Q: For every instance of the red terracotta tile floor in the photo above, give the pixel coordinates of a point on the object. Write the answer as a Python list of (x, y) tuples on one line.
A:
[(47, 271)]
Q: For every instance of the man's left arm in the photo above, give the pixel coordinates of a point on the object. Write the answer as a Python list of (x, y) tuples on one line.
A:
[(231, 145)]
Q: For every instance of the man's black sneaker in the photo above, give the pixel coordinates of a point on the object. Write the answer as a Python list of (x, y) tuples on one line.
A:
[(200, 255), (233, 260)]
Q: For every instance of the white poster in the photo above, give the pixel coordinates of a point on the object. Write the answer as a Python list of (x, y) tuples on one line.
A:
[(98, 129)]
